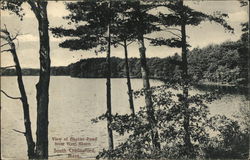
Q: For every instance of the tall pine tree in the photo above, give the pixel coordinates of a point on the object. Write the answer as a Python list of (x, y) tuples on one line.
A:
[(145, 23), (93, 27), (180, 16), (124, 35)]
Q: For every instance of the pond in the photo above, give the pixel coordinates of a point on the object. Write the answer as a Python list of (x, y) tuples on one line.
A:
[(73, 103)]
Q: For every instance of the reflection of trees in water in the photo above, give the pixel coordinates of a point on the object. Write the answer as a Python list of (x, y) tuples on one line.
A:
[(229, 90)]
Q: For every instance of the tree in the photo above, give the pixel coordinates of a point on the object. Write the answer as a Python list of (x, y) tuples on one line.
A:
[(39, 8), (244, 54), (137, 16), (130, 91), (96, 16), (244, 50), (95, 33), (144, 24), (108, 83), (124, 32), (182, 15), (5, 35)]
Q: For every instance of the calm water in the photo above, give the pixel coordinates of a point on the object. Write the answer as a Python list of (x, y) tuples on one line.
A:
[(73, 103)]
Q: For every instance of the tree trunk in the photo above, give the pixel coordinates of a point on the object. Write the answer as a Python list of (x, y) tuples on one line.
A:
[(26, 114), (146, 85), (187, 140), (43, 84), (130, 91), (108, 85)]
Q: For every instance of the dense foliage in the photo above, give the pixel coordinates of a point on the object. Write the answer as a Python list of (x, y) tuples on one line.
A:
[(55, 71), (94, 67), (231, 140), (224, 63), (212, 136)]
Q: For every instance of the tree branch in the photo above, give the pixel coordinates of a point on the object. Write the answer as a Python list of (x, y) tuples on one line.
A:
[(149, 38), (7, 67), (4, 31), (130, 43), (120, 43), (5, 37), (19, 131), (116, 41), (179, 36), (4, 45), (15, 37), (8, 37), (6, 50), (153, 7), (9, 95), (174, 29)]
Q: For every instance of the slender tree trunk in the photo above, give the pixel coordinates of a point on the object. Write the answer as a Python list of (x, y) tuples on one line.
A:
[(146, 85), (108, 85), (187, 140), (43, 84), (130, 91), (26, 114)]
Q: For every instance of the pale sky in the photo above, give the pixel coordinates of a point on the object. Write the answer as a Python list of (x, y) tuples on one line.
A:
[(200, 36)]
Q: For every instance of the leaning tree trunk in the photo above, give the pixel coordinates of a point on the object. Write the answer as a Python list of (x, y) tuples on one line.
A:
[(186, 122), (108, 85), (26, 113), (146, 85), (130, 91), (40, 10)]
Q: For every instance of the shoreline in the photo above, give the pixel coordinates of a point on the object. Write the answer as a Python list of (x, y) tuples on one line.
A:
[(203, 83)]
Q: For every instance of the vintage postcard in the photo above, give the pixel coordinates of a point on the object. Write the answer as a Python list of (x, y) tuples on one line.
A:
[(124, 79)]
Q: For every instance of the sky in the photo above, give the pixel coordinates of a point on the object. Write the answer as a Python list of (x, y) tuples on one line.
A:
[(199, 36)]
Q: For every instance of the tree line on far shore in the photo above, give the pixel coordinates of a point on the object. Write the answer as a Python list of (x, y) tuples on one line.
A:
[(223, 63)]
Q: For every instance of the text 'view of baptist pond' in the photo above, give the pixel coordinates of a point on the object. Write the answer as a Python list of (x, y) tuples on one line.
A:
[(65, 145)]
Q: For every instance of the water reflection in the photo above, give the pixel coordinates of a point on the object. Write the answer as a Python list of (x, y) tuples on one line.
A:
[(223, 89)]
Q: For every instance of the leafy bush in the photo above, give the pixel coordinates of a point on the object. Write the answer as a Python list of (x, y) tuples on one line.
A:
[(229, 142), (169, 114)]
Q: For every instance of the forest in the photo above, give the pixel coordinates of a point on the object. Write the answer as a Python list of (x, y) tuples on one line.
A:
[(224, 63), (173, 122)]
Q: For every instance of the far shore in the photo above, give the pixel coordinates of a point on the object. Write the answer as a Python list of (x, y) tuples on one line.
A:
[(202, 82)]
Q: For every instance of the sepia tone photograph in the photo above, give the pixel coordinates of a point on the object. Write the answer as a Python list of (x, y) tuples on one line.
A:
[(124, 79)]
